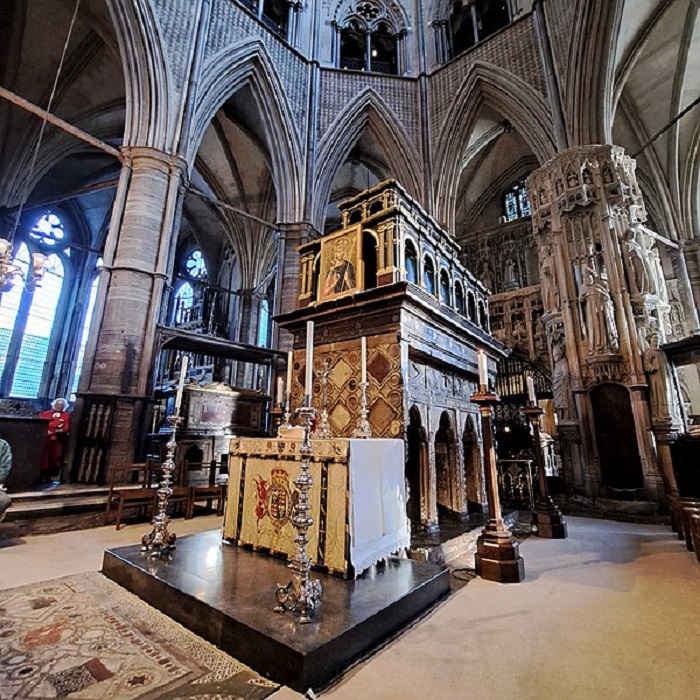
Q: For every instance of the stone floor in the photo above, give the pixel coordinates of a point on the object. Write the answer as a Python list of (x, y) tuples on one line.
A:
[(611, 612)]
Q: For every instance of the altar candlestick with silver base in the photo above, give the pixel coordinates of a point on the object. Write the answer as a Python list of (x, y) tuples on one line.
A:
[(288, 409), (546, 517), (497, 551), (302, 595), (159, 540), (363, 430)]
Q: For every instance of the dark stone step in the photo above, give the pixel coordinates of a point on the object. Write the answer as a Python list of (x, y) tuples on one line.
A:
[(226, 595)]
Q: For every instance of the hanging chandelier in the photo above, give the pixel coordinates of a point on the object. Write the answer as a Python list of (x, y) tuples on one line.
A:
[(9, 270)]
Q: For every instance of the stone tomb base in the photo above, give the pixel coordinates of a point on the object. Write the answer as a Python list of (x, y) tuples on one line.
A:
[(226, 595)]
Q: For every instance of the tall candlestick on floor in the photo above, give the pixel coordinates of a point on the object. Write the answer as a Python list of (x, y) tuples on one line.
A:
[(483, 370), (546, 517), (302, 595), (497, 551), (181, 384)]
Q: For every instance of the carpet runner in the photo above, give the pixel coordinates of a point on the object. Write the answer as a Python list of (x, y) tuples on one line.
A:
[(86, 637)]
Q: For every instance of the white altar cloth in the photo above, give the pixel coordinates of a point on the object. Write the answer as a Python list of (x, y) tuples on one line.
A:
[(378, 522)]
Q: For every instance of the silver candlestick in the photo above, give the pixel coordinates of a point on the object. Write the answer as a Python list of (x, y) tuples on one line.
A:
[(288, 408), (323, 430), (363, 430), (159, 541), (301, 595)]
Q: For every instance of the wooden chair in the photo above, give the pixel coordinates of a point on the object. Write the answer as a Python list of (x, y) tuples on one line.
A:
[(206, 492), (131, 488)]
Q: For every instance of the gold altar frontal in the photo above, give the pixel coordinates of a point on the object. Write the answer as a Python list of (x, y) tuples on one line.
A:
[(262, 497)]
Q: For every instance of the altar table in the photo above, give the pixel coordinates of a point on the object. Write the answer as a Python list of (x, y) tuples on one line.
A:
[(358, 500)]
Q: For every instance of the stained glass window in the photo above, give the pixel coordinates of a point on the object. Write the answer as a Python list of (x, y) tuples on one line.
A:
[(9, 304), (37, 333), (48, 230), (184, 300), (516, 202), (264, 324), (87, 322), (195, 265)]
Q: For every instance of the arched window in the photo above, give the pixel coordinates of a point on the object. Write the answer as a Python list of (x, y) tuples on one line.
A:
[(482, 316), (459, 298), (34, 347), (184, 301), (471, 21), (411, 263), (370, 37), (85, 333), (265, 319), (195, 267), (516, 202), (33, 310), (9, 305), (429, 275), (471, 307), (445, 288), (352, 47), (264, 323), (276, 15)]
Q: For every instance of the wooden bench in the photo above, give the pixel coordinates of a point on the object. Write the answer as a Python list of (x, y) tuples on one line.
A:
[(131, 487)]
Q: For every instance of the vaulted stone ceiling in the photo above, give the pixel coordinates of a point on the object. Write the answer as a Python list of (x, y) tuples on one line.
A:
[(656, 62), (657, 74)]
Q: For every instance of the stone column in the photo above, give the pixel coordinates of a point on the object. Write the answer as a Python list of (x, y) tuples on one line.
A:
[(588, 221), (137, 260), (685, 291), (291, 236), (691, 252)]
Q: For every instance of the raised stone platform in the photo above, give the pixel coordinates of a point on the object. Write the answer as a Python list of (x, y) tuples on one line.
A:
[(226, 594)]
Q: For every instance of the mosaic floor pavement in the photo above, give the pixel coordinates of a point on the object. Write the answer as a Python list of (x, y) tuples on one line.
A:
[(86, 637)]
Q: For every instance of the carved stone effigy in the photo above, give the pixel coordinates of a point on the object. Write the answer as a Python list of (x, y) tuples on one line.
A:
[(589, 225)]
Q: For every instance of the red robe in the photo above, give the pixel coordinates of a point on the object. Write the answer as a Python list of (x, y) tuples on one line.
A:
[(56, 439)]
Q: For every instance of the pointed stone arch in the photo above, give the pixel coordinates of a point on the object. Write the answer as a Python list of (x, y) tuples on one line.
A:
[(589, 100), (151, 99), (367, 112), (421, 504), (473, 466), (249, 64), (508, 95)]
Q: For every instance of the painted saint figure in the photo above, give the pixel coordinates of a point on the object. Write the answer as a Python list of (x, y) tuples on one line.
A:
[(341, 275), (664, 407)]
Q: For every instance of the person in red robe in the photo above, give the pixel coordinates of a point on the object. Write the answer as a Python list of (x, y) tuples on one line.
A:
[(56, 440)]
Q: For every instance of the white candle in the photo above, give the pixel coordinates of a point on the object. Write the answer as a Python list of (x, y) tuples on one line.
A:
[(290, 365), (309, 383), (280, 389), (363, 344), (483, 369), (531, 390), (181, 383)]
